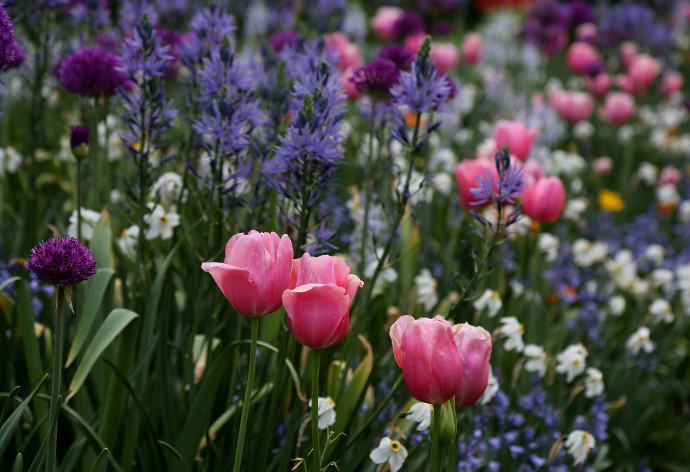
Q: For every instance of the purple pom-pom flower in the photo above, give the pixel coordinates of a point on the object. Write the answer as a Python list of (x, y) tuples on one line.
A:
[(61, 261), (377, 77), (92, 72)]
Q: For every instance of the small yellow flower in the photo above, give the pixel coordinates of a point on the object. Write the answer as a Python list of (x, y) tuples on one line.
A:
[(610, 201)]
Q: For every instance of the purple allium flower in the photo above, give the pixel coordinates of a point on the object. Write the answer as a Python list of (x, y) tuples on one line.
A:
[(580, 12), (283, 40), (408, 24), (19, 57), (438, 5), (79, 136), (61, 261), (92, 72), (547, 25), (8, 45), (377, 77), (398, 55)]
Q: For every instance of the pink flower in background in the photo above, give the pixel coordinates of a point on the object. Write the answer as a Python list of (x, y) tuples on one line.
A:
[(532, 171), (587, 33), (669, 176), (426, 352), (581, 56), (384, 21), (598, 85), (474, 347), (618, 107), (318, 300), (349, 55), (349, 85), (602, 165), (414, 42), (544, 200), (467, 174), (516, 136), (255, 272), (573, 106), (472, 48), (445, 56), (627, 53), (671, 84), (643, 72)]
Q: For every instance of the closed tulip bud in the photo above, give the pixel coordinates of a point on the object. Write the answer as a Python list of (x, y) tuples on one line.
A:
[(643, 71), (425, 351), (318, 300), (627, 53), (516, 136), (445, 56), (472, 48), (255, 272), (671, 84), (573, 106), (581, 56), (384, 21), (618, 107), (598, 85), (467, 174), (544, 201), (474, 347)]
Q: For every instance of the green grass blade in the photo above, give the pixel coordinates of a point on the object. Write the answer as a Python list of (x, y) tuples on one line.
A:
[(176, 454), (9, 426), (18, 464), (8, 403), (101, 463)]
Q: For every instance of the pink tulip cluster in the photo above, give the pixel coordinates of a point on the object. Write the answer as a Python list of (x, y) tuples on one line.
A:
[(440, 361), (259, 275)]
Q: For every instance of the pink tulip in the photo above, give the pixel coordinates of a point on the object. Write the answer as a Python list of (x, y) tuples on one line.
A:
[(532, 171), (414, 42), (626, 83), (618, 107), (643, 71), (669, 176), (255, 272), (587, 33), (602, 165), (516, 136), (384, 21), (573, 106), (474, 347), (472, 48), (348, 85), (544, 200), (467, 174), (445, 56), (671, 84), (349, 56), (426, 352), (598, 85), (627, 53), (318, 300), (581, 56)]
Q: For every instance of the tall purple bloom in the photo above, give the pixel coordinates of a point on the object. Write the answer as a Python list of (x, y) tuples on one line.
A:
[(209, 26), (8, 45), (377, 77), (92, 72), (61, 261)]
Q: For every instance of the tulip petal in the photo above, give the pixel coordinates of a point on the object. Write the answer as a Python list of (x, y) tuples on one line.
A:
[(249, 252), (315, 314), (396, 334), (230, 245), (238, 286)]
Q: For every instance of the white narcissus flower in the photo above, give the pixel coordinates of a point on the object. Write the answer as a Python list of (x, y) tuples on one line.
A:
[(10, 159), (89, 220), (421, 413), (661, 277), (160, 223), (616, 305), (579, 444), (390, 451), (326, 412), (660, 310), (548, 244), (594, 382), (575, 208), (571, 361), (647, 173), (492, 388), (667, 195), (128, 240), (536, 359), (169, 188), (640, 340), (513, 330), (491, 300), (655, 253), (426, 289)]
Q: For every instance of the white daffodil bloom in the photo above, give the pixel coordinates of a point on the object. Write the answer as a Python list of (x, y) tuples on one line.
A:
[(571, 361), (548, 244), (639, 340), (594, 382), (586, 253), (492, 388), (660, 310), (491, 300), (390, 451), (128, 240), (513, 330), (655, 253), (622, 269), (160, 223), (583, 130), (661, 277), (575, 208), (536, 359), (426, 289), (579, 444), (616, 305), (421, 413), (326, 412), (169, 188), (648, 173), (89, 220), (10, 159)]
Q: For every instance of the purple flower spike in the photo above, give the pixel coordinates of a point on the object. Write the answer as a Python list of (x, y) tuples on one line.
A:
[(8, 45), (61, 261), (92, 72)]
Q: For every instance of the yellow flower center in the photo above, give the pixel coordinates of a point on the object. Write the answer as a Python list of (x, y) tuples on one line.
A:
[(164, 219), (395, 446), (124, 233), (330, 400), (610, 201), (576, 362)]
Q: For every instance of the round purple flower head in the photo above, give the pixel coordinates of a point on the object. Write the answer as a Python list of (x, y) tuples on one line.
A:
[(8, 45), (377, 77), (398, 55), (408, 24), (92, 72), (61, 261), (283, 39)]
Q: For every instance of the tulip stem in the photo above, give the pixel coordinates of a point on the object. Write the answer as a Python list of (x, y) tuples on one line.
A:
[(247, 395), (51, 462), (316, 361)]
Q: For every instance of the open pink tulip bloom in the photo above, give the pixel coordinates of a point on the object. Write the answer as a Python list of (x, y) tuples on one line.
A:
[(318, 300), (425, 351), (255, 272), (474, 347)]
